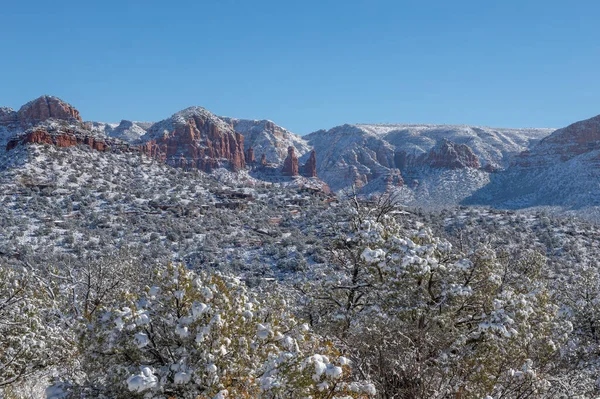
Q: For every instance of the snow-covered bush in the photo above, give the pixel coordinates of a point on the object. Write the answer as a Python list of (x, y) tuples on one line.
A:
[(423, 319), (207, 336), (33, 337)]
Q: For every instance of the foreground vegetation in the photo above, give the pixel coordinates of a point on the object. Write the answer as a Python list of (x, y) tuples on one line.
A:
[(122, 289)]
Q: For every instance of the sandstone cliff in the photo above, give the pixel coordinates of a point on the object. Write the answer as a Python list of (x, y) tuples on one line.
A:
[(204, 140)]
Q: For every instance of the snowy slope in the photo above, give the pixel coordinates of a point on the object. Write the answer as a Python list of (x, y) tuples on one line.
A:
[(572, 184)]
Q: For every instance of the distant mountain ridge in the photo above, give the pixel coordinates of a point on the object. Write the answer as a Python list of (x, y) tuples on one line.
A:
[(426, 165), (372, 155), (130, 131)]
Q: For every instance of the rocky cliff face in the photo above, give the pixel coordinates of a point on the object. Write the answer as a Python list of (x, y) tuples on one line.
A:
[(290, 165), (347, 155), (204, 140), (66, 136), (449, 155), (366, 155), (50, 120), (44, 108)]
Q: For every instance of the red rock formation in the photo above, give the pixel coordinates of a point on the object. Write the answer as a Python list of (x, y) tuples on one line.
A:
[(310, 167), (153, 150), (445, 154), (449, 155), (263, 160), (250, 156), (60, 139), (36, 137), (201, 138), (43, 108), (95, 144), (290, 165)]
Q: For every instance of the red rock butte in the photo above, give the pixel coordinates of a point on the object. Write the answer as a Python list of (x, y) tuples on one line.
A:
[(46, 107), (199, 137)]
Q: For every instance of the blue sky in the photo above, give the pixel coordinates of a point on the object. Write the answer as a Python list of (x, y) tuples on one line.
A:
[(309, 64)]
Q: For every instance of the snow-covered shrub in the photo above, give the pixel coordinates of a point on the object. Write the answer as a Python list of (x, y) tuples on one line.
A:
[(423, 319), (202, 335), (33, 337)]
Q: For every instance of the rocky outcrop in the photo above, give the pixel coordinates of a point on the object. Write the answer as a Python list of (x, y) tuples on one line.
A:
[(250, 159), (44, 108), (203, 139), (449, 155), (444, 155), (62, 138), (290, 165), (310, 167), (263, 160)]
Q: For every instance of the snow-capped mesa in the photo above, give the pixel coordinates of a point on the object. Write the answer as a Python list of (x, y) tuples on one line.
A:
[(493, 146)]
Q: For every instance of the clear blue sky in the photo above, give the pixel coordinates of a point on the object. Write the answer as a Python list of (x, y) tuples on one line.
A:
[(309, 64)]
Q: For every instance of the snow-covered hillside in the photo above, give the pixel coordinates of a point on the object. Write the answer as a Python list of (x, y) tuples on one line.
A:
[(81, 203), (561, 171), (572, 184)]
